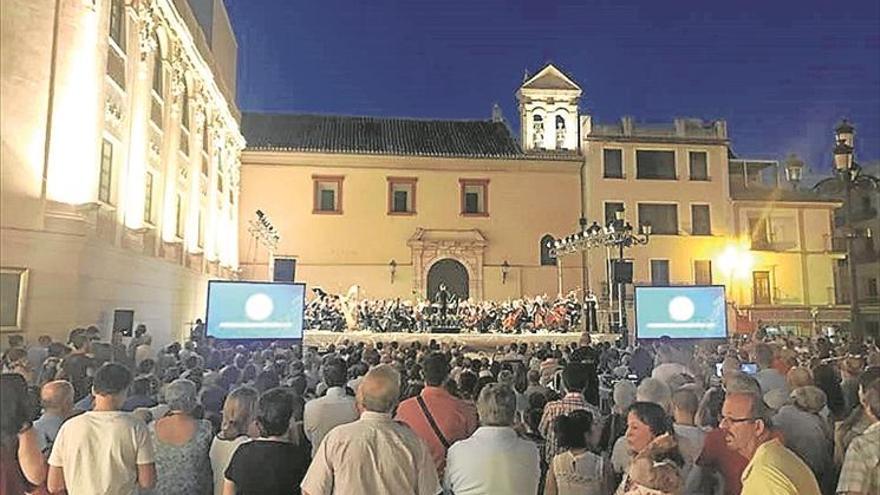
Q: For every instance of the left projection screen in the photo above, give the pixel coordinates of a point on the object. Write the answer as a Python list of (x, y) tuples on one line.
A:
[(255, 310)]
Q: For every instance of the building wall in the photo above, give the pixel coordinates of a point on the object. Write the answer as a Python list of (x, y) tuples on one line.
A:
[(89, 246), (526, 200)]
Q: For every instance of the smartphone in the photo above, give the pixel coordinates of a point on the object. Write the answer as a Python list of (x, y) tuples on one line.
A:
[(718, 369), (749, 368)]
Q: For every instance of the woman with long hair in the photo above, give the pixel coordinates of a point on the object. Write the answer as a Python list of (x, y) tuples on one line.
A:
[(22, 467), (657, 462), (238, 427)]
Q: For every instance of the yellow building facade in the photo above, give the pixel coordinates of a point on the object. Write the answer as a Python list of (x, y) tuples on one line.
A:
[(390, 217), (120, 143)]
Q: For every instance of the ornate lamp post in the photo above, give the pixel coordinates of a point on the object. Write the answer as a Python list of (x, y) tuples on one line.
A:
[(794, 170), (849, 177)]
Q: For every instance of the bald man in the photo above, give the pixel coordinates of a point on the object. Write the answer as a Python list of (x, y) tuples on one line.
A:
[(57, 400), (374, 454)]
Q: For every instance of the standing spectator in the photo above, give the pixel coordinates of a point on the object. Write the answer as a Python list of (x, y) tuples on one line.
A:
[(690, 438), (238, 427), (857, 421), (576, 471), (38, 353), (772, 467), (623, 395), (806, 433), (21, 464), (78, 367), (435, 415), (375, 454), (144, 350), (574, 379), (141, 394), (861, 466), (825, 377), (494, 459), (335, 408), (103, 450), (533, 378), (656, 466), (181, 444), (769, 378), (268, 465), (57, 400)]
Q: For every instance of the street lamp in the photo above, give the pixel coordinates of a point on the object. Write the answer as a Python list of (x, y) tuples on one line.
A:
[(849, 176), (794, 170), (392, 267)]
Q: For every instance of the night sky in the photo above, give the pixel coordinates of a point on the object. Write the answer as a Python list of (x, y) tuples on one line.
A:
[(782, 73)]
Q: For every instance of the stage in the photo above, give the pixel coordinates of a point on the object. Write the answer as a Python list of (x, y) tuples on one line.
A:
[(472, 341)]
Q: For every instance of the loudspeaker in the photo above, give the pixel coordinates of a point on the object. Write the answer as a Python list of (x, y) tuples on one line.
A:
[(622, 271), (123, 322), (285, 270)]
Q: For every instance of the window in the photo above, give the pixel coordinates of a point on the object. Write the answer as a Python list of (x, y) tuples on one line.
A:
[(117, 23), (761, 287), (537, 132), (13, 290), (611, 210), (872, 288), (655, 165), (698, 165), (401, 195), (659, 272), (560, 131), (158, 83), (148, 198), (328, 194), (220, 183), (613, 163), (547, 259), (701, 222), (178, 216), (205, 166), (663, 218), (206, 138), (474, 197), (702, 272), (775, 233), (106, 174)]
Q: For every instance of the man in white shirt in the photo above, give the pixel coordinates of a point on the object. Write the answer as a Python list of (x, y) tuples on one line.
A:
[(335, 408), (375, 454), (494, 459), (103, 450), (768, 377)]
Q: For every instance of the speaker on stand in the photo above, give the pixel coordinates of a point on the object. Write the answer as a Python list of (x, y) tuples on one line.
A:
[(283, 269)]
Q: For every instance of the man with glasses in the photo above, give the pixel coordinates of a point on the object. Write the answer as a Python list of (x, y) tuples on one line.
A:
[(772, 468)]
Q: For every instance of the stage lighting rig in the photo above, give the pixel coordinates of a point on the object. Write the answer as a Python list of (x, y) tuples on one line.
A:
[(263, 231)]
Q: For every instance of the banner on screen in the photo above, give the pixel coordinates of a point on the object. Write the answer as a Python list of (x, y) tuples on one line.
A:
[(255, 310), (682, 312)]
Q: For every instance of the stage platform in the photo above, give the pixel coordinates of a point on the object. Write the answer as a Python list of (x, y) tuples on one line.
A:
[(473, 341)]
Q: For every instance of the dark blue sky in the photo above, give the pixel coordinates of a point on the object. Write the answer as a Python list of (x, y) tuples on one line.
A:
[(782, 73)]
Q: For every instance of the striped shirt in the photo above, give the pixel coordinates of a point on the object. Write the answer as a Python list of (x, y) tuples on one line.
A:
[(571, 402), (861, 466)]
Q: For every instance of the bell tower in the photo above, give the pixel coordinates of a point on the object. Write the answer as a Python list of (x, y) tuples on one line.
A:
[(548, 111)]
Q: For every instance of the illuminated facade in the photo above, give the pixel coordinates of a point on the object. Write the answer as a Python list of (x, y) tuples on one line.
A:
[(120, 152)]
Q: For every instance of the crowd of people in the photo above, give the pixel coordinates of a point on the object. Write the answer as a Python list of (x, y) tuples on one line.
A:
[(752, 416), (527, 315)]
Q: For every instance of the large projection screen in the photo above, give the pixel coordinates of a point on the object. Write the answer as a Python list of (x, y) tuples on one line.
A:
[(255, 310), (681, 312)]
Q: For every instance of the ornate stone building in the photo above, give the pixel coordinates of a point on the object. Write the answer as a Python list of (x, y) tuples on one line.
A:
[(120, 152)]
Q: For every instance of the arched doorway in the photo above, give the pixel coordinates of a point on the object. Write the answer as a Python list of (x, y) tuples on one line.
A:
[(451, 273)]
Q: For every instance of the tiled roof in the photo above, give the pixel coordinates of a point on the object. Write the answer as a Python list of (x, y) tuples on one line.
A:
[(758, 193), (375, 135)]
